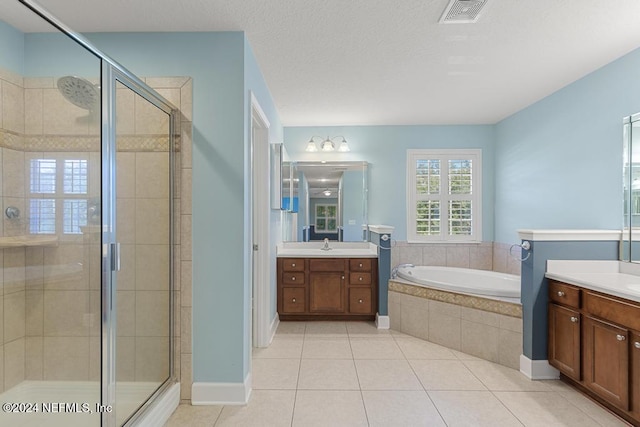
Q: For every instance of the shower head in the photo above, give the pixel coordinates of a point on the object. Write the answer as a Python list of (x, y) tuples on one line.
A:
[(80, 92)]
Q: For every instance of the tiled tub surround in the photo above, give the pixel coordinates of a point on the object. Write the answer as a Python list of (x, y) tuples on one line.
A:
[(492, 256), (49, 296), (487, 328)]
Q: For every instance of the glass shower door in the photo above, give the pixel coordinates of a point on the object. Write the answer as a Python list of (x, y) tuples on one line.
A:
[(143, 230)]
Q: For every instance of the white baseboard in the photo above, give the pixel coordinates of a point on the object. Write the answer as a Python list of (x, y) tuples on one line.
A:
[(274, 327), (162, 409), (382, 322), (221, 393), (538, 369)]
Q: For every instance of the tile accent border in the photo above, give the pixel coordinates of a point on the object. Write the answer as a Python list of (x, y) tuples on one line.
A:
[(479, 303), (39, 143)]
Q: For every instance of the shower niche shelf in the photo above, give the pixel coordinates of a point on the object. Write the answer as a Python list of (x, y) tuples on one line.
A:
[(25, 241)]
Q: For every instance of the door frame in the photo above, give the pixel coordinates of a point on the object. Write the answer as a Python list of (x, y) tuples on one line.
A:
[(260, 219)]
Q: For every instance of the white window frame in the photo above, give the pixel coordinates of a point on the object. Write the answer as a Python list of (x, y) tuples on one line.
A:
[(60, 195), (444, 155)]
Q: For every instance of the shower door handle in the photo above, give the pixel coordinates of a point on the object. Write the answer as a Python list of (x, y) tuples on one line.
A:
[(115, 256)]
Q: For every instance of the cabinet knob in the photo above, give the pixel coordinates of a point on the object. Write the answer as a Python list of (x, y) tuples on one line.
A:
[(360, 278), (360, 301), (561, 294), (636, 344), (293, 278), (621, 337), (342, 277), (360, 265), (293, 264), (574, 319), (293, 300)]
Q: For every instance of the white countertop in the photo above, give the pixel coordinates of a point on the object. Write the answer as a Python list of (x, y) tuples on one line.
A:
[(617, 278), (337, 250)]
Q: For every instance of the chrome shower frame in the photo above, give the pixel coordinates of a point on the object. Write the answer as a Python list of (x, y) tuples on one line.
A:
[(112, 72)]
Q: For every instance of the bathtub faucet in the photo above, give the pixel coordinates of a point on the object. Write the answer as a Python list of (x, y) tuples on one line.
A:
[(394, 272)]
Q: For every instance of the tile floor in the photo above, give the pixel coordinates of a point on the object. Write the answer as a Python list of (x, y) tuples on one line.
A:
[(351, 374)]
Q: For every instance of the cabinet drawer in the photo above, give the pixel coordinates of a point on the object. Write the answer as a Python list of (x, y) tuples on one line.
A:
[(360, 278), (289, 278), (326, 264), (564, 294), (613, 310), (293, 300), (293, 264), (363, 264), (360, 300)]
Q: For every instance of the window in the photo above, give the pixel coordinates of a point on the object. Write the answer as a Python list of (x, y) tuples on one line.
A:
[(58, 190), (326, 218), (444, 195)]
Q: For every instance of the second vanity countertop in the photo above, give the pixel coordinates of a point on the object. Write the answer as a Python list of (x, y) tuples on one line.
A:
[(617, 278), (337, 250)]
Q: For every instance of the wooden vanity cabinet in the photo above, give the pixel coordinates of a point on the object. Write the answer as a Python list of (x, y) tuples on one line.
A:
[(331, 288), (595, 343)]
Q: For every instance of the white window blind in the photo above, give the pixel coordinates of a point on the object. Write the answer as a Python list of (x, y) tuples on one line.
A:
[(444, 195), (66, 185)]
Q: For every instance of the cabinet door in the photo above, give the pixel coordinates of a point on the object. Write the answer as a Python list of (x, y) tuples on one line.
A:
[(326, 292), (635, 375), (564, 340), (606, 361)]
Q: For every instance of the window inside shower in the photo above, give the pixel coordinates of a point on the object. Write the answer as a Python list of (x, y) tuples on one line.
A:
[(58, 188)]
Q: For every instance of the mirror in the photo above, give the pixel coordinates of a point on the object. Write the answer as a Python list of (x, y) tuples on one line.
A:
[(630, 243), (330, 199)]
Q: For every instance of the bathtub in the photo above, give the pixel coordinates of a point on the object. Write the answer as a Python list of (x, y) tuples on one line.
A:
[(465, 280)]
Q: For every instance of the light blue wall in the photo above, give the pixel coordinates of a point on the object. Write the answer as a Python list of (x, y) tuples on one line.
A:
[(559, 162), (11, 49), (385, 148), (254, 83), (223, 71)]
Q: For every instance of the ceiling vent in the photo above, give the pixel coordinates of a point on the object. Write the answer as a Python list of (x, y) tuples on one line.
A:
[(462, 11)]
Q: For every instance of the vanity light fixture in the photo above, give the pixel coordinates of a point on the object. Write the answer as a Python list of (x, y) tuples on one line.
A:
[(327, 145)]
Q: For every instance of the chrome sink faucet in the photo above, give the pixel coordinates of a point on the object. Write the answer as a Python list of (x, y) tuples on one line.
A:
[(394, 272), (326, 245)]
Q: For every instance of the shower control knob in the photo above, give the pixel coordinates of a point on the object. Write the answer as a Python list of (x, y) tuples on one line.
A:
[(574, 319), (561, 294), (621, 337)]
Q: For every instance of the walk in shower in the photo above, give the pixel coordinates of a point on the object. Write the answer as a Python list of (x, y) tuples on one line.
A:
[(86, 244)]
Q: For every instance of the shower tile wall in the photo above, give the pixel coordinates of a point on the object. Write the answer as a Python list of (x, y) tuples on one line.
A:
[(49, 296), (13, 292), (483, 256)]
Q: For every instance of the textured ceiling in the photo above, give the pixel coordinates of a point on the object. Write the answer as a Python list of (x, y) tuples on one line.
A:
[(349, 62)]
